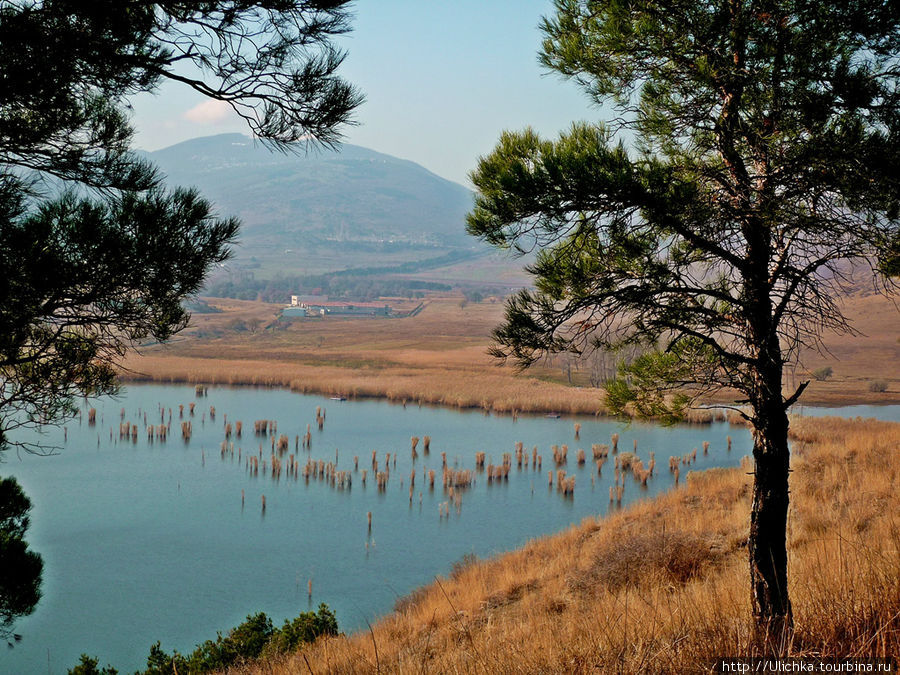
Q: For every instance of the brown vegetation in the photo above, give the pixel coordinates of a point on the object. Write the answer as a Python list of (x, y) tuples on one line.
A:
[(440, 356), (662, 586)]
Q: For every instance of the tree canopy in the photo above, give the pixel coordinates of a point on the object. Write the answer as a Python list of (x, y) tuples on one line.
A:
[(20, 581), (96, 253), (748, 177)]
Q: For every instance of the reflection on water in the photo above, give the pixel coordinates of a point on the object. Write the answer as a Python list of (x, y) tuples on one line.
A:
[(147, 540)]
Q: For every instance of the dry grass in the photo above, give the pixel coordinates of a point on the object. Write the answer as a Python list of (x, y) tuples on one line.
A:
[(662, 586), (464, 388), (440, 356)]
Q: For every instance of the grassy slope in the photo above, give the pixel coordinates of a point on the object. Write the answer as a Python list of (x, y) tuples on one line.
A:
[(663, 585)]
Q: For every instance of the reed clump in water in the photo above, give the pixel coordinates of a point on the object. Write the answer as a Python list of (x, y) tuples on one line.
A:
[(625, 460), (661, 585), (560, 454), (520, 453), (381, 480), (565, 484), (457, 478), (599, 451), (497, 473), (320, 418)]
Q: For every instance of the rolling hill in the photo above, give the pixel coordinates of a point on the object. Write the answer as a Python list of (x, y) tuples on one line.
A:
[(323, 209)]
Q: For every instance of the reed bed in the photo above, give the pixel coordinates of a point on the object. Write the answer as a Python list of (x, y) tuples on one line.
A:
[(500, 391), (662, 586)]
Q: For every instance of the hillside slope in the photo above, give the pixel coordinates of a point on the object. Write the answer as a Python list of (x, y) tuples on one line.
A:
[(663, 586), (355, 199)]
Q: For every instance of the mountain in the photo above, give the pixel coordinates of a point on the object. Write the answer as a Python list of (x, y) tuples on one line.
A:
[(324, 202)]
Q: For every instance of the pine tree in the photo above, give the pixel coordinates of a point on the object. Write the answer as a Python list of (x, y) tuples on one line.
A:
[(751, 174), (96, 254)]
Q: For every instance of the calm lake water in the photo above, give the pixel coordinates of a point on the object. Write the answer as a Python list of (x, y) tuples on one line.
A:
[(151, 541)]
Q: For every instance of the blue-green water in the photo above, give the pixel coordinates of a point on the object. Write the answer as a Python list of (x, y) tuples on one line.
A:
[(888, 413), (150, 541)]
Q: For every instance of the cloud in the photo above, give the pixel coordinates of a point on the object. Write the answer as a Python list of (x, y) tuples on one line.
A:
[(208, 112)]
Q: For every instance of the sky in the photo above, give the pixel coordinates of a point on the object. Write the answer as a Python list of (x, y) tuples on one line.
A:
[(442, 79)]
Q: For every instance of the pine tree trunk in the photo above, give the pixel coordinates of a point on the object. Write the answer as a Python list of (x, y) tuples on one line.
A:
[(768, 520)]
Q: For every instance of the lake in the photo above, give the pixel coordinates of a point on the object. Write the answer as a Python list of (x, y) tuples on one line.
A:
[(148, 540)]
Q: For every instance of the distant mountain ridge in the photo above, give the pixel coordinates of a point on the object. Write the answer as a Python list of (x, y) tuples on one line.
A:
[(354, 198)]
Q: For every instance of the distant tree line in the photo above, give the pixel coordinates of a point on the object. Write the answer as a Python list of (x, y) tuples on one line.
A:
[(360, 288)]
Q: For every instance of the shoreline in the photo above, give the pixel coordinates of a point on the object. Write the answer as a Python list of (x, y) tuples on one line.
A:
[(684, 553), (476, 389), (440, 356)]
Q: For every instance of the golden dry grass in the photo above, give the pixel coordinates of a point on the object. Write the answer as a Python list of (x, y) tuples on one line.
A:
[(440, 356), (662, 586)]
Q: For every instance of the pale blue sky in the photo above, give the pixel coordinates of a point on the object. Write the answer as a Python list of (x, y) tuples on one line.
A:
[(442, 79)]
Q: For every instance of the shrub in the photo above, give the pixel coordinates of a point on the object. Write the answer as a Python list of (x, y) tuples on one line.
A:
[(676, 557), (460, 566), (305, 628), (253, 638), (246, 641), (822, 374), (88, 666), (878, 386)]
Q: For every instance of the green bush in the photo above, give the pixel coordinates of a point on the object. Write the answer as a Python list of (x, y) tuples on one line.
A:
[(305, 628), (822, 374), (253, 638), (88, 666)]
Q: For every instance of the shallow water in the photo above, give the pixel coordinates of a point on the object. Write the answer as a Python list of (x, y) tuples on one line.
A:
[(150, 541), (888, 413)]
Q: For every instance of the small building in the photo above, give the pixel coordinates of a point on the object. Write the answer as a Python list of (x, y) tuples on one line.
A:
[(300, 308), (346, 308), (301, 300)]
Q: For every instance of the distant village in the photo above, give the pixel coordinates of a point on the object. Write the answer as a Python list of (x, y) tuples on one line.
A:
[(319, 305)]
